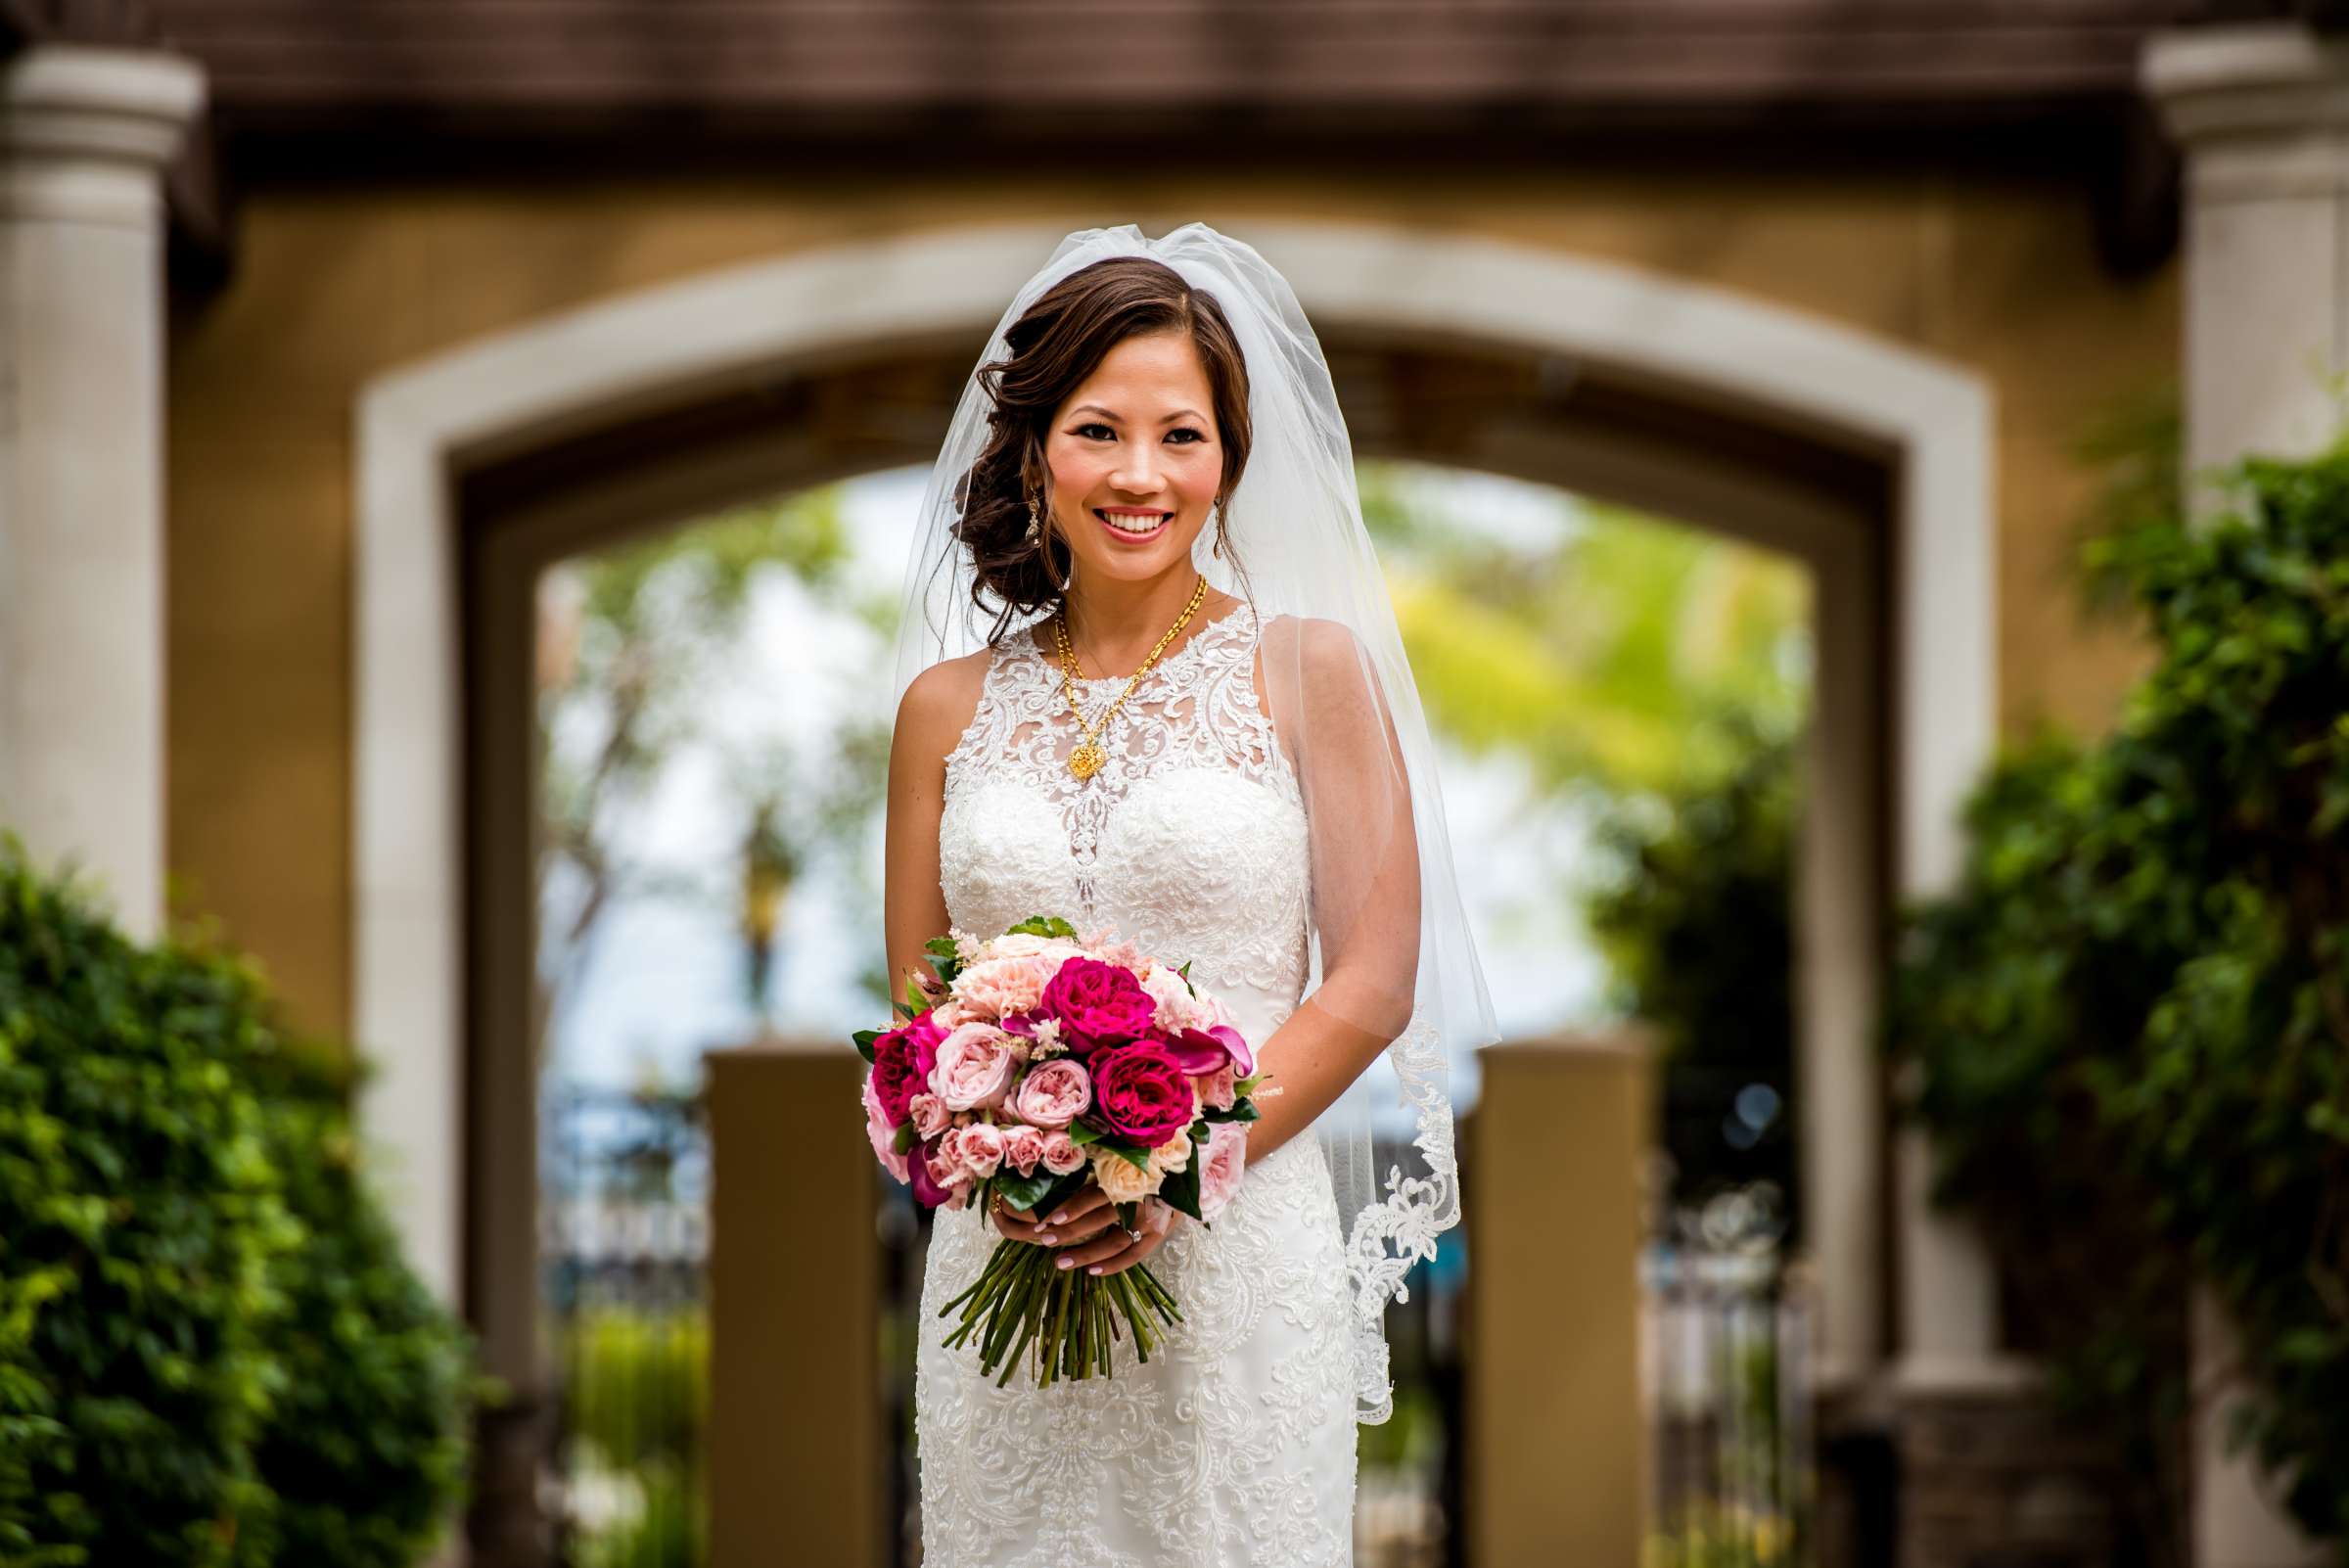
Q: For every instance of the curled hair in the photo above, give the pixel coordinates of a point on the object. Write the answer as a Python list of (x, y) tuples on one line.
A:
[(1054, 345)]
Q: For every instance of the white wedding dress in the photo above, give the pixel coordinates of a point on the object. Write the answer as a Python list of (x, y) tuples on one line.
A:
[(1234, 1448)]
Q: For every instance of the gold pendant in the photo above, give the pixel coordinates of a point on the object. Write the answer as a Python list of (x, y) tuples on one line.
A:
[(1086, 760)]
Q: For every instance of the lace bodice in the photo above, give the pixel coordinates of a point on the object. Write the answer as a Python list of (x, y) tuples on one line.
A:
[(1236, 1446), (1190, 841)]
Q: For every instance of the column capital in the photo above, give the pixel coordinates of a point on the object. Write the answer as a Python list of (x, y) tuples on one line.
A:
[(86, 130), (2261, 108)]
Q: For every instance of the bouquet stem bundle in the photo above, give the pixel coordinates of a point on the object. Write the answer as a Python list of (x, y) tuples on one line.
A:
[(1022, 1297)]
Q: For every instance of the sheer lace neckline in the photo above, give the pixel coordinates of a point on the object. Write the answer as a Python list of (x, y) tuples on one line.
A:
[(1229, 623)]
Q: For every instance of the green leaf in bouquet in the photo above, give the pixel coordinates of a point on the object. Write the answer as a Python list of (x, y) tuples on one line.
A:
[(1184, 970), (907, 1013), (1182, 1187), (1082, 1133), (1024, 1192), (917, 1000), (1042, 926), (1132, 1154), (906, 1138), (864, 1039), (943, 958)]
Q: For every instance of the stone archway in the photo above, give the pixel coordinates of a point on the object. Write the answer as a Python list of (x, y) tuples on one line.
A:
[(1869, 461)]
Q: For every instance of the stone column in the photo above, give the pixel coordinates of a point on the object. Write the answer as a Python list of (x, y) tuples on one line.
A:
[(85, 134), (2261, 113)]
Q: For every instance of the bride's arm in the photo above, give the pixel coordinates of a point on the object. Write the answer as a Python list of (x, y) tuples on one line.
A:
[(1366, 877), (936, 708)]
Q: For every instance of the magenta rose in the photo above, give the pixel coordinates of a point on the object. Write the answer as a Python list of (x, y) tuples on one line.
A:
[(1097, 1005), (877, 1127), (902, 1062), (1141, 1092), (1053, 1094)]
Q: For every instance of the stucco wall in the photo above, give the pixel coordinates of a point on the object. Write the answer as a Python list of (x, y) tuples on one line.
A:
[(333, 289)]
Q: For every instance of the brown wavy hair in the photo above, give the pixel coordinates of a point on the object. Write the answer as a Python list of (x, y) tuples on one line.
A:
[(1054, 345)]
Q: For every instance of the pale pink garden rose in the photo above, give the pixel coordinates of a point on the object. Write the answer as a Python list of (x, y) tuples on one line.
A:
[(1177, 1008), (1053, 1094), (930, 1115), (883, 1135), (973, 1066), (1023, 1147), (1062, 1153), (1000, 986), (980, 1149), (1226, 1157), (1026, 945), (1215, 1090), (949, 1015)]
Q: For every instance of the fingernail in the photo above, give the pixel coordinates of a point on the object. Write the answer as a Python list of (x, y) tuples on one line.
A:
[(1070, 1263), (1045, 1237), (1058, 1218), (1094, 1269)]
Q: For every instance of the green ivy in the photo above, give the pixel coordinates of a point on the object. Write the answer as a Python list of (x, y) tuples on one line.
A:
[(2130, 1020), (211, 1351)]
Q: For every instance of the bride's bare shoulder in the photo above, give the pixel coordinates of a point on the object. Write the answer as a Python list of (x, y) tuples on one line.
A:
[(940, 703)]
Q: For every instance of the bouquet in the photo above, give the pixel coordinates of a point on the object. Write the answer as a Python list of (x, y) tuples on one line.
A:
[(1033, 1063)]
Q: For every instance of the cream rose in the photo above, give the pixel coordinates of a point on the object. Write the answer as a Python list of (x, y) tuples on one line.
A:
[(1119, 1182)]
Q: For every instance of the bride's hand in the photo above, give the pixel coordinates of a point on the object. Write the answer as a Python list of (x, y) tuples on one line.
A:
[(1085, 1228)]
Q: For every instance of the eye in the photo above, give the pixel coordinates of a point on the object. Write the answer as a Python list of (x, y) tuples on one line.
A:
[(1195, 436)]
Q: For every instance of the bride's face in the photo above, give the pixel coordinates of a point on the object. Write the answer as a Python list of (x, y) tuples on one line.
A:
[(1135, 460)]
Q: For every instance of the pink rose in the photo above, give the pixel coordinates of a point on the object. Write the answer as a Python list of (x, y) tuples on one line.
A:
[(882, 1131), (1177, 1007), (938, 1177), (1097, 1005), (1062, 1153), (1001, 987), (1023, 1147), (1216, 1091), (930, 1115), (1220, 1176), (980, 1149), (973, 1066), (1142, 1092), (1054, 1094), (901, 1061)]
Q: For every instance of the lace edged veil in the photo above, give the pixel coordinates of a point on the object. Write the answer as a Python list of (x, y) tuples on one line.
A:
[(1390, 949)]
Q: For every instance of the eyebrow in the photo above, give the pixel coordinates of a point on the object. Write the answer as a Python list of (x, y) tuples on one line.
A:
[(1097, 408)]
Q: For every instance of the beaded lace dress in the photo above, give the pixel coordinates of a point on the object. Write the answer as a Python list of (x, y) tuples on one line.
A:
[(1234, 1448)]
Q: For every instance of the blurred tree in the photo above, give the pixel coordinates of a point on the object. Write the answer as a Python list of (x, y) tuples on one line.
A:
[(629, 638)]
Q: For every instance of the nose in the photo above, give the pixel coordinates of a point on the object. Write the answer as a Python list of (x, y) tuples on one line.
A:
[(1136, 471)]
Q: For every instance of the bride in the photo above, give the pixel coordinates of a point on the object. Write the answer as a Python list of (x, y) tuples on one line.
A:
[(1148, 679)]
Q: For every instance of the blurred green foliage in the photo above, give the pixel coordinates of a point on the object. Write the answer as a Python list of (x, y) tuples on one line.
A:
[(2129, 1022), (638, 1398), (211, 1351), (1691, 902)]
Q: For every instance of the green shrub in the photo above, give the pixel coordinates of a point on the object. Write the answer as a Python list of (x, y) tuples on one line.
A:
[(210, 1353), (2130, 1020)]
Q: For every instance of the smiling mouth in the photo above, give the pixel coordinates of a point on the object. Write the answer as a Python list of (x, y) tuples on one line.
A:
[(1139, 524)]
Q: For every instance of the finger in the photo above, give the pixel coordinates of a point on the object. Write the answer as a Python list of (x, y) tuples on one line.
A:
[(1127, 1257), (1087, 1199), (1086, 1226), (1108, 1244)]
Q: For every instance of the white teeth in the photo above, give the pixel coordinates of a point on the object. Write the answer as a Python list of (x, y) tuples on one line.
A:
[(1134, 524)]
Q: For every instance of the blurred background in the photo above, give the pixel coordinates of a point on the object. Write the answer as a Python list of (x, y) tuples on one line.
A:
[(457, 459)]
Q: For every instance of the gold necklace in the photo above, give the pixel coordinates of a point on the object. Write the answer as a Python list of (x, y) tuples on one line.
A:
[(1089, 756)]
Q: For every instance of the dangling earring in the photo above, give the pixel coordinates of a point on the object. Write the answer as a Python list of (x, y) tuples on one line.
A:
[(1041, 543), (1035, 528), (1216, 549)]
